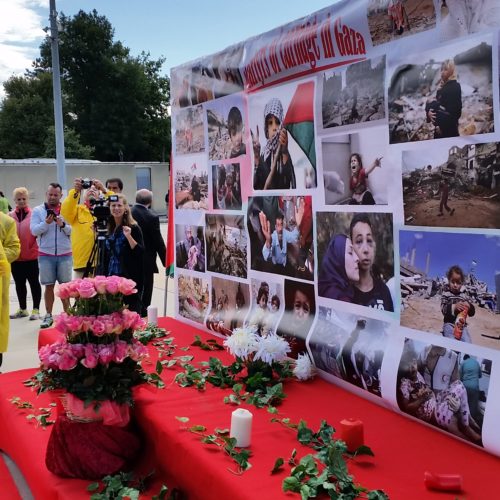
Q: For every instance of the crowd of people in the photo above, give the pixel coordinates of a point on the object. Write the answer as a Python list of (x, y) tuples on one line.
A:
[(58, 241)]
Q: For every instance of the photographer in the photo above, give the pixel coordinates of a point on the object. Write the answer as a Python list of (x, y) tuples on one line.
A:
[(54, 247), (80, 218)]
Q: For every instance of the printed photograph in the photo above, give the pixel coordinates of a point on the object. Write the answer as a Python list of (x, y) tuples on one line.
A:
[(280, 229), (450, 284), (194, 297), (356, 258), (191, 184), (190, 247), (349, 347), (354, 169), (457, 186), (189, 131), (354, 94), (390, 20), (298, 315), (225, 70), (282, 134), (445, 388), (230, 303), (226, 245), (226, 128), (226, 186), (464, 17), (267, 305), (446, 92)]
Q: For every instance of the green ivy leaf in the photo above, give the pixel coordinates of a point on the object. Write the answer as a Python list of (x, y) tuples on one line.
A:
[(291, 483), (93, 487), (364, 450), (198, 428), (183, 419), (304, 434), (159, 367), (377, 495), (222, 432), (278, 465)]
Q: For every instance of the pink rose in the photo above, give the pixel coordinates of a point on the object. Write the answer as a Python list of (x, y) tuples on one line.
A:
[(61, 323), (98, 328), (127, 287), (74, 323), (46, 355), (90, 360), (86, 323), (121, 348), (73, 288), (106, 353), (108, 325), (62, 291), (113, 284), (67, 360), (86, 289), (118, 322), (78, 350), (137, 351), (100, 284)]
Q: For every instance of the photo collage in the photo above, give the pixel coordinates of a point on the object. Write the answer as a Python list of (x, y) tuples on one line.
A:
[(354, 208)]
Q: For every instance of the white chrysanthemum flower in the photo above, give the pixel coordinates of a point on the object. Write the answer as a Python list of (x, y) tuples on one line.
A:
[(272, 348), (242, 342), (303, 369)]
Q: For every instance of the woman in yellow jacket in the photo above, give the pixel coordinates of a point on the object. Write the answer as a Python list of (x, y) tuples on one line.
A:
[(79, 217), (9, 251)]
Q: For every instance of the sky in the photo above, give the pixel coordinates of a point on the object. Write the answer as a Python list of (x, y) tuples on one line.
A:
[(179, 30), (459, 248)]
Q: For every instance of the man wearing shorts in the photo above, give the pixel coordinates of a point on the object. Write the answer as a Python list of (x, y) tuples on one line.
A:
[(54, 247)]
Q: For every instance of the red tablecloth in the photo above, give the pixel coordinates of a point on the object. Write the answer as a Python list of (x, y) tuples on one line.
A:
[(403, 448)]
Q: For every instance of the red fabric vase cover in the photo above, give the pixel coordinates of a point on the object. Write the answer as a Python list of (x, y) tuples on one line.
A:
[(89, 450)]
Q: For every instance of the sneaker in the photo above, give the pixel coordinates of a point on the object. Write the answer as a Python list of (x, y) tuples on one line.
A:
[(20, 313), (35, 314), (47, 321)]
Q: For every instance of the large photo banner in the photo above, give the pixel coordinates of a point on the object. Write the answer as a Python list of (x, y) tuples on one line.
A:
[(337, 182)]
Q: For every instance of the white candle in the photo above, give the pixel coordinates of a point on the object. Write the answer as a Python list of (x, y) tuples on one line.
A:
[(241, 427), (153, 315)]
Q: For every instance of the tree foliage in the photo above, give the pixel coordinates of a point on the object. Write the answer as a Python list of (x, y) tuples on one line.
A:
[(112, 101)]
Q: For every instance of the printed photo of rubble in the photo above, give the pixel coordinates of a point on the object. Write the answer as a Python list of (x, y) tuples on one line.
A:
[(226, 245), (453, 186), (392, 19), (451, 289), (446, 92), (189, 131), (355, 94)]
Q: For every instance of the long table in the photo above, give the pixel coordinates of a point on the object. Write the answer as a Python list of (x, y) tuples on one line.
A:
[(404, 449)]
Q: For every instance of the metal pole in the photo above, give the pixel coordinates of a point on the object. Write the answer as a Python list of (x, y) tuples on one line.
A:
[(56, 84)]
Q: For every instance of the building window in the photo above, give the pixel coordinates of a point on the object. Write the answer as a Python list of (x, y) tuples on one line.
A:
[(143, 177)]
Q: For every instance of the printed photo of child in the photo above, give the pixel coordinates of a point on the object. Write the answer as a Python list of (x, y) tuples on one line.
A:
[(449, 289), (226, 186), (281, 238), (226, 130), (282, 133), (190, 247), (354, 170), (191, 184), (267, 305)]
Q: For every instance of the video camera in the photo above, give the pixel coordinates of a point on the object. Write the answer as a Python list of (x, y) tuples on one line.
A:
[(86, 183), (99, 208)]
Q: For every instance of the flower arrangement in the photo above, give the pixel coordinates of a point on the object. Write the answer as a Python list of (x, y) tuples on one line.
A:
[(98, 361), (266, 356)]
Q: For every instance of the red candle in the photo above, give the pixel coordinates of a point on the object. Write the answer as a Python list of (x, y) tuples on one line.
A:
[(351, 431)]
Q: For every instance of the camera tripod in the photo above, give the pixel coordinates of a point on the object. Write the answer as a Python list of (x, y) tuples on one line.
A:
[(96, 262)]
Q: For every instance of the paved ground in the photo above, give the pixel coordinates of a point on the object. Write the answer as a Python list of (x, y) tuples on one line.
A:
[(23, 338)]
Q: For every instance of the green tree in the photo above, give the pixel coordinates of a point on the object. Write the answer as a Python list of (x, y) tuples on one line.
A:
[(119, 102), (27, 113), (73, 148)]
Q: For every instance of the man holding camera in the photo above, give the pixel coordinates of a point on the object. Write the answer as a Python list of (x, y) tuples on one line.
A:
[(54, 247), (79, 216)]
